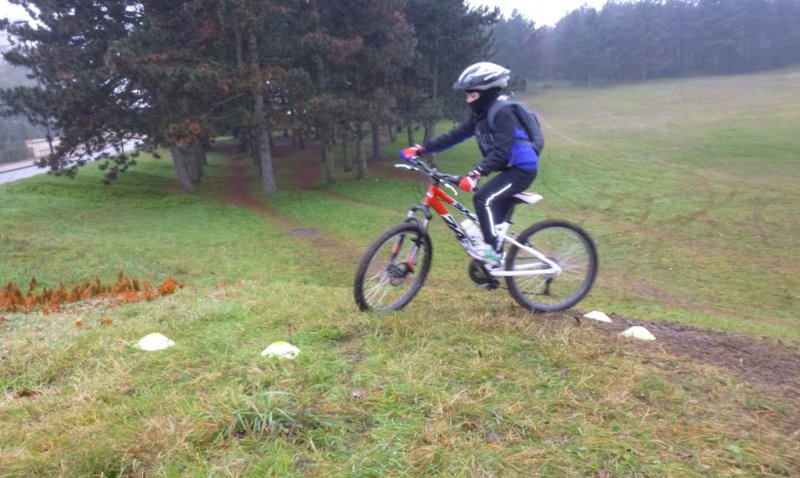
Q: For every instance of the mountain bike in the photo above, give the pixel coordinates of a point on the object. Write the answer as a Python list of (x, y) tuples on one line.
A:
[(549, 266)]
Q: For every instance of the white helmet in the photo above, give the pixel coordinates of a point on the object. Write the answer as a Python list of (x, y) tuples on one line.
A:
[(483, 76)]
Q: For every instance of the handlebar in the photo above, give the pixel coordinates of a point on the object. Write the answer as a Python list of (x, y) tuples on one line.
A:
[(415, 163)]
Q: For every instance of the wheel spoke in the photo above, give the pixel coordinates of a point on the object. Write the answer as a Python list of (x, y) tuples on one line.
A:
[(383, 282), (377, 288)]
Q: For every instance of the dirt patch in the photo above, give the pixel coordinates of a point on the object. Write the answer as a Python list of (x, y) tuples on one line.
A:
[(307, 232), (240, 184), (307, 168), (761, 361)]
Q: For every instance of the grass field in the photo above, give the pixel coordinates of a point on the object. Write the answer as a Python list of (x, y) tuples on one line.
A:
[(687, 186), (691, 188)]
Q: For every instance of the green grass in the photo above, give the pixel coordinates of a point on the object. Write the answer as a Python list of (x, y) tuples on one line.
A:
[(690, 227), (688, 187)]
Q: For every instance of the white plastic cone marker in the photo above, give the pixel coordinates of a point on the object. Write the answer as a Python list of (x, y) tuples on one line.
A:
[(153, 342), (598, 316), (281, 349), (639, 332)]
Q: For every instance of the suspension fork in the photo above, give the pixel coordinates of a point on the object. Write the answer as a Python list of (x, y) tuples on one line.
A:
[(422, 224), (411, 217)]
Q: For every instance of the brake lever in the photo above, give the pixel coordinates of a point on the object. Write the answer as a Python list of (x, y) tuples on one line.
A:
[(448, 185), (405, 166)]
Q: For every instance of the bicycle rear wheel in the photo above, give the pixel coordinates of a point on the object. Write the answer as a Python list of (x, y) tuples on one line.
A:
[(564, 243), (393, 269)]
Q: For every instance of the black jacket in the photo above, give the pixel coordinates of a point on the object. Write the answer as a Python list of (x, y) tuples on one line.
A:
[(502, 149)]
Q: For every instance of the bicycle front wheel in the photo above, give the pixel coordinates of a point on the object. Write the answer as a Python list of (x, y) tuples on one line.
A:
[(393, 269), (567, 245)]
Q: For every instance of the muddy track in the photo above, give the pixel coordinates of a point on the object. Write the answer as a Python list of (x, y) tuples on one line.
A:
[(763, 362), (768, 364), (238, 194)]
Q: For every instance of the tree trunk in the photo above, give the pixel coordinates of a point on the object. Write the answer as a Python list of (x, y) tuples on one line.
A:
[(392, 137), (376, 139), (205, 146), (326, 137), (430, 130), (251, 142), (244, 140), (327, 159), (199, 156), (268, 185), (430, 123), (239, 50), (191, 162), (179, 160), (263, 154), (347, 150), (410, 130), (361, 155)]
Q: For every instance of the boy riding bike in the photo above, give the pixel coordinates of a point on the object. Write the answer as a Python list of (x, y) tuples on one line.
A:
[(549, 266), (504, 144)]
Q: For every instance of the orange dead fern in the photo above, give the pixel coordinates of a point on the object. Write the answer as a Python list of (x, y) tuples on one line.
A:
[(124, 290)]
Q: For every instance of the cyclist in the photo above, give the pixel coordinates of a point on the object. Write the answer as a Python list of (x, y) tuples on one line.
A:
[(506, 150)]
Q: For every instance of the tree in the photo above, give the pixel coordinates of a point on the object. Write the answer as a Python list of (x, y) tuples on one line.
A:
[(372, 72), (655, 38), (269, 28), (158, 70), (516, 46), (75, 90), (170, 63), (579, 46), (352, 60), (450, 37)]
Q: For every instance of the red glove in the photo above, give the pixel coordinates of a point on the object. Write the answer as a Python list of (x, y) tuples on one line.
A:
[(411, 151), (469, 181)]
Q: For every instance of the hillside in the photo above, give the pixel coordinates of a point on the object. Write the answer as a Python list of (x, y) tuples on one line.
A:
[(686, 187), (689, 187)]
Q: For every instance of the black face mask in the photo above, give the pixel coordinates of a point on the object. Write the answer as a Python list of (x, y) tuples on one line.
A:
[(481, 105)]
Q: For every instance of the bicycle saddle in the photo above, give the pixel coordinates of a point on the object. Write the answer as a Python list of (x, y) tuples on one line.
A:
[(528, 198)]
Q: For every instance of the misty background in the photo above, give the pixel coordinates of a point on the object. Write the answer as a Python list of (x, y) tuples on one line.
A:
[(88, 56)]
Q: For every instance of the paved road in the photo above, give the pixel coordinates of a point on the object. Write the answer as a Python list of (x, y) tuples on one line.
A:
[(14, 171)]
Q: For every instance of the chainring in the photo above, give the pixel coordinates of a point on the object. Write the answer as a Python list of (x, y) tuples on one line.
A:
[(481, 277)]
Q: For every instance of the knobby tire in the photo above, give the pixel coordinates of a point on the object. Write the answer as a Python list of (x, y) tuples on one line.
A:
[(383, 279), (568, 245)]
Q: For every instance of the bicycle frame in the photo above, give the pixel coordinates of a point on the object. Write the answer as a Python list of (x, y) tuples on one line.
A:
[(434, 199), (549, 266)]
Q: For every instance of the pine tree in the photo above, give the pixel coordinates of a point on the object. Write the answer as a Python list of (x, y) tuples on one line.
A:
[(450, 36), (76, 92)]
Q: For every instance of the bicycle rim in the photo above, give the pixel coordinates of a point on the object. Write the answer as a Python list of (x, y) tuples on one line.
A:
[(393, 269), (564, 243)]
